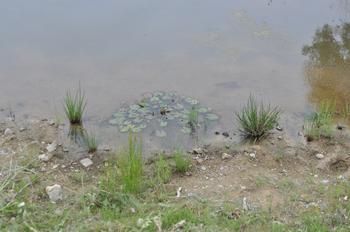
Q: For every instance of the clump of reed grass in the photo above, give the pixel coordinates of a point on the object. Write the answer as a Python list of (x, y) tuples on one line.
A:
[(182, 163), (193, 119), (319, 124), (256, 120), (90, 141), (74, 106), (131, 166), (162, 170)]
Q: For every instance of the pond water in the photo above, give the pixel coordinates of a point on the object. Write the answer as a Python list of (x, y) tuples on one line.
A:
[(218, 52)]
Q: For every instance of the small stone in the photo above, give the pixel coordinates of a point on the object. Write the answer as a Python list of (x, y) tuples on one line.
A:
[(226, 134), (45, 157), (199, 160), (86, 162), (319, 156), (65, 149), (22, 129), (279, 128), (341, 127), (51, 147), (8, 131), (180, 225), (345, 198), (132, 210), (279, 138), (325, 181), (225, 156), (4, 151), (203, 168), (217, 132), (52, 123), (252, 155), (245, 204), (54, 192), (197, 151)]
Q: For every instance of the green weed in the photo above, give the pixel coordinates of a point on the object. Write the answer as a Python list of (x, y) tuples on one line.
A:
[(256, 120), (90, 141), (182, 163), (74, 106), (163, 170)]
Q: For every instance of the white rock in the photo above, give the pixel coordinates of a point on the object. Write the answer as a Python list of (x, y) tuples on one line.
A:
[(8, 131), (325, 181), (245, 204), (51, 147), (252, 155), (86, 162), (45, 157), (226, 156), (203, 168), (54, 192), (319, 156)]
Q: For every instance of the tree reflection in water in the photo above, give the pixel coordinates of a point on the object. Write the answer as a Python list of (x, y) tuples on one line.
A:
[(327, 70)]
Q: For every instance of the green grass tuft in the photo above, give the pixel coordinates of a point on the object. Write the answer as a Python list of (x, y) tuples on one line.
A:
[(256, 120), (131, 166), (182, 163), (162, 170), (320, 123), (90, 142), (74, 106)]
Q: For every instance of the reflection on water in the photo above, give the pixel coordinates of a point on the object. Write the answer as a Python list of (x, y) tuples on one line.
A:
[(328, 68)]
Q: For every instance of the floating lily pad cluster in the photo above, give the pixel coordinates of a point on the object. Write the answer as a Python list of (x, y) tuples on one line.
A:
[(161, 109)]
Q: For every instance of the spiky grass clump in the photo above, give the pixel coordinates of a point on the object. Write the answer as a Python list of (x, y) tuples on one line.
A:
[(182, 163), (320, 123), (131, 166), (90, 141), (193, 119), (162, 170), (256, 120), (74, 106)]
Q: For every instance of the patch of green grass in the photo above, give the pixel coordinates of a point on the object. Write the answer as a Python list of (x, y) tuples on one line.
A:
[(90, 142), (74, 106), (162, 170), (320, 122), (193, 119), (131, 166), (182, 163), (256, 120)]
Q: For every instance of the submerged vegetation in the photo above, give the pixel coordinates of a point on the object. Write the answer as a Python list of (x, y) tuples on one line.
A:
[(74, 106), (256, 120), (90, 141), (319, 124), (162, 110)]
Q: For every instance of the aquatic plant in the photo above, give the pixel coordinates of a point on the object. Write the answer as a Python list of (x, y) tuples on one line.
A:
[(162, 110), (193, 119), (90, 141), (182, 163), (319, 124), (131, 166), (256, 120), (74, 106), (162, 170)]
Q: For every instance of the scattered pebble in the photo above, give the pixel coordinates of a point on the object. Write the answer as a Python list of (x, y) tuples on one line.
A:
[(45, 157), (8, 131), (325, 181), (203, 168), (226, 156), (279, 128), (22, 129), (197, 151), (51, 147), (54, 192), (178, 192), (245, 205), (279, 138), (217, 132), (319, 156), (252, 155), (225, 134), (86, 162)]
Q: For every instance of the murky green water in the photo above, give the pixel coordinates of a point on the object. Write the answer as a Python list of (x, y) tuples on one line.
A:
[(215, 51)]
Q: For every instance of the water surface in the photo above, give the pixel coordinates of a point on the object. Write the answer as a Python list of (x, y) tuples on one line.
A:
[(216, 51)]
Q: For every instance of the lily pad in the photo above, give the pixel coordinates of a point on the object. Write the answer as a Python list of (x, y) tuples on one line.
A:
[(212, 117), (161, 133), (186, 130)]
